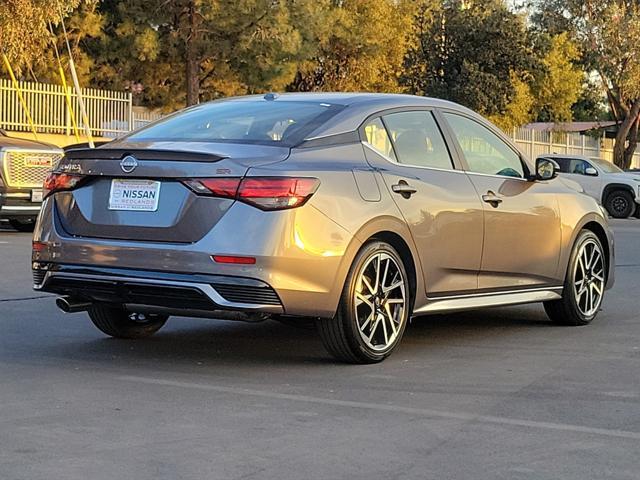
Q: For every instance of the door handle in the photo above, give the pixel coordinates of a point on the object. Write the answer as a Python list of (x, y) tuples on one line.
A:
[(403, 188), (492, 199)]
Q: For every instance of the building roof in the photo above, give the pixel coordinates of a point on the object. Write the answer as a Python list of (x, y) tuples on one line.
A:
[(571, 126)]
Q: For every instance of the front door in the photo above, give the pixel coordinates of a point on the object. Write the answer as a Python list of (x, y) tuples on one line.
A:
[(581, 171), (521, 217), (438, 202)]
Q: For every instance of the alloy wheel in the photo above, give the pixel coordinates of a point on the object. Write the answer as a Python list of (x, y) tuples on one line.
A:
[(380, 301), (588, 280)]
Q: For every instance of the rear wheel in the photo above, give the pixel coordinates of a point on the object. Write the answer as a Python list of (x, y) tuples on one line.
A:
[(117, 322), (584, 285), (620, 204), (23, 225), (374, 307)]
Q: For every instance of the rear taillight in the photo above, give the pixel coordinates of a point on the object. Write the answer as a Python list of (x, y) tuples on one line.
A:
[(265, 193), (57, 182)]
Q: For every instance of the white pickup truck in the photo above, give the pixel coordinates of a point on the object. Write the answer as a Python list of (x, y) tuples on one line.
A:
[(618, 191)]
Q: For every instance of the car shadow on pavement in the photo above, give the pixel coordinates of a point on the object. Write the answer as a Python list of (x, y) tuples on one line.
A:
[(188, 342)]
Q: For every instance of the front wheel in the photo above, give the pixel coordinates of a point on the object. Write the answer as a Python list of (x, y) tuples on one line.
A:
[(620, 204), (374, 307), (119, 323), (584, 284)]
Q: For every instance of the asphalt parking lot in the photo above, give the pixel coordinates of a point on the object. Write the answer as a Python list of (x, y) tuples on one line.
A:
[(494, 394)]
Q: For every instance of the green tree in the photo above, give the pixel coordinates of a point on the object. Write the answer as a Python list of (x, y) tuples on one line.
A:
[(608, 32), (185, 51), (82, 25), (451, 58), (591, 104), (559, 84), (24, 28), (518, 110), (359, 46)]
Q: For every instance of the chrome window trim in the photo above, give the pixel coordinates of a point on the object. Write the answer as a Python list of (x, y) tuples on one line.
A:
[(496, 176), (453, 170), (392, 161)]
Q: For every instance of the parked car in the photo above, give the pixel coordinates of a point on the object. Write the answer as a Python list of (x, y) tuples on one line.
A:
[(617, 190), (355, 210), (24, 165)]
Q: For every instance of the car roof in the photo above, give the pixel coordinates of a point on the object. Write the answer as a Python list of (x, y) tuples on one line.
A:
[(360, 105), (343, 98)]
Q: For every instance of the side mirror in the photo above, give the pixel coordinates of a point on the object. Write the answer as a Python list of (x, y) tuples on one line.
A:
[(546, 169), (592, 172)]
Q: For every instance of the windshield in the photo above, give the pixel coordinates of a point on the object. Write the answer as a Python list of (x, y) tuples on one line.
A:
[(606, 167), (272, 122)]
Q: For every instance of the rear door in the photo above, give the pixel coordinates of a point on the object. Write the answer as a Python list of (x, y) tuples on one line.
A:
[(165, 207), (521, 217), (438, 202)]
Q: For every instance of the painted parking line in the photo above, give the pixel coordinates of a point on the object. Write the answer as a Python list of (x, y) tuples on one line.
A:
[(421, 412)]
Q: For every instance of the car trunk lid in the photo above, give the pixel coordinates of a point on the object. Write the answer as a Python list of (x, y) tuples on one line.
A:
[(164, 208)]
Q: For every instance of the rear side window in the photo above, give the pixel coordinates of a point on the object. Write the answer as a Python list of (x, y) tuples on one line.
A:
[(376, 136), (417, 139), (563, 163), (483, 150), (277, 122)]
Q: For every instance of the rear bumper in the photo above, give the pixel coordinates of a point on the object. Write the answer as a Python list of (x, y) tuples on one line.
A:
[(300, 254), (194, 295), (17, 203)]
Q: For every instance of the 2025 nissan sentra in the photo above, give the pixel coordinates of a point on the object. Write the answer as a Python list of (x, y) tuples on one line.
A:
[(358, 211)]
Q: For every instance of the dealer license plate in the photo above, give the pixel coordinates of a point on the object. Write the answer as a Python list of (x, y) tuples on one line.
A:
[(138, 195)]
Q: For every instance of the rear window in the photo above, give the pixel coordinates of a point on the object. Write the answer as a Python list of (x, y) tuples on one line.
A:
[(273, 122)]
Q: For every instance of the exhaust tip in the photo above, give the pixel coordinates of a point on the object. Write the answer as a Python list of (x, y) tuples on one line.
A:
[(71, 305)]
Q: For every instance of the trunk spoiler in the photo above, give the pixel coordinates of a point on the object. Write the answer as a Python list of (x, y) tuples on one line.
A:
[(140, 154)]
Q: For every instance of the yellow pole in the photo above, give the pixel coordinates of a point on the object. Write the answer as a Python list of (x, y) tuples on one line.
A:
[(67, 97), (83, 110), (76, 84), (20, 97)]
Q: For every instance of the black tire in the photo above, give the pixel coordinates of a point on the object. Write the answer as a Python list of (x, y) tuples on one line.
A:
[(620, 204), (566, 310), (341, 335), (23, 225), (117, 322)]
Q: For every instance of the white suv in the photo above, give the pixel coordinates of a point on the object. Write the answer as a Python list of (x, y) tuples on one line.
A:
[(617, 190)]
